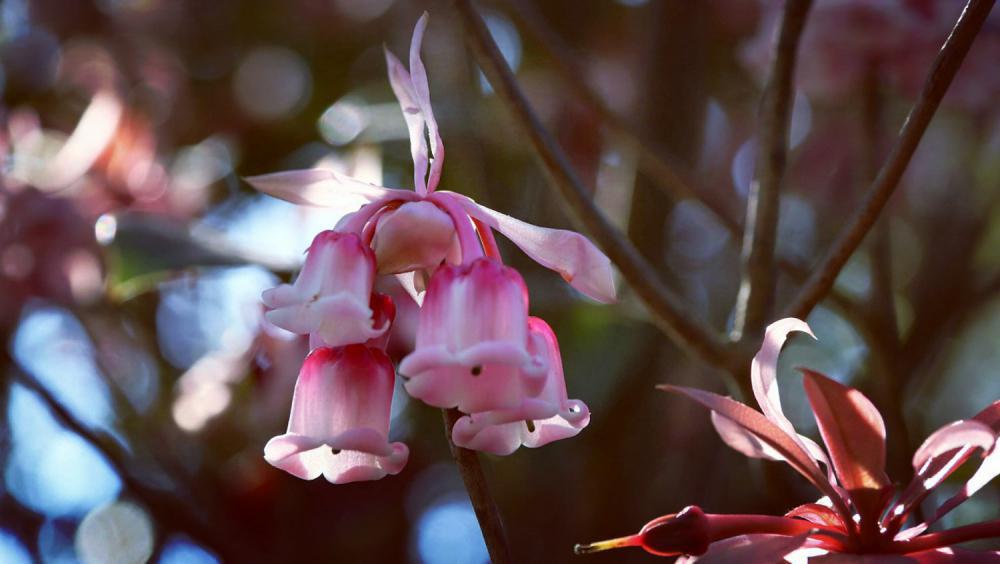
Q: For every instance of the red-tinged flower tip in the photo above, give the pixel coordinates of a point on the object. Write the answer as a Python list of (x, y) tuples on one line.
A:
[(331, 298), (687, 532), (414, 236), (339, 423), (472, 347)]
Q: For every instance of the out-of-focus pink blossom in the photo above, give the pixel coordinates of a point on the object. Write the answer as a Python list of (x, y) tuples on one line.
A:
[(331, 296), (339, 423), (472, 348), (860, 515), (537, 421)]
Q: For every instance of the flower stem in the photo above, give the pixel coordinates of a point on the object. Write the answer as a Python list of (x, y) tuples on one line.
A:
[(977, 531), (479, 493)]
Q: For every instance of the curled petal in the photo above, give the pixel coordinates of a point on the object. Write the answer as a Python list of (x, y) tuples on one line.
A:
[(422, 96), (318, 187), (818, 514), (971, 433), (764, 369), (570, 254)]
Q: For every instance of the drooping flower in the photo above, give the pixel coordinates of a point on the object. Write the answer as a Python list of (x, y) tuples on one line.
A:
[(474, 347), (393, 218), (339, 423), (860, 514), (472, 350), (537, 421), (331, 298)]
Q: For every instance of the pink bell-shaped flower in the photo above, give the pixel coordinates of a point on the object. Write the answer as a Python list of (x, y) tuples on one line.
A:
[(340, 419), (331, 296), (472, 347), (538, 421), (414, 236)]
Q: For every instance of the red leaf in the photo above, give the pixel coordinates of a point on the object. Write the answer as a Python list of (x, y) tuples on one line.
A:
[(818, 514), (764, 430), (852, 429)]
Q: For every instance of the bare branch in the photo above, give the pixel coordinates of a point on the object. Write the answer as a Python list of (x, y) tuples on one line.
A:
[(169, 512), (945, 66), (761, 227), (668, 174), (667, 311)]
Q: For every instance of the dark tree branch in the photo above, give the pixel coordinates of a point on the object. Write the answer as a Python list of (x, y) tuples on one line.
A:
[(945, 66), (168, 512), (479, 493), (761, 227), (667, 173), (667, 310)]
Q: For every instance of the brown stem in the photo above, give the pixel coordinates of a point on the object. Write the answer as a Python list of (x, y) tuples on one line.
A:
[(479, 493), (761, 227), (668, 173), (666, 309), (943, 71)]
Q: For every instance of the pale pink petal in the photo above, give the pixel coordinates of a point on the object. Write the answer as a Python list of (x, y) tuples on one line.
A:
[(761, 549), (422, 96), (414, 236), (340, 419), (318, 187), (331, 297), (764, 379), (402, 87), (764, 370), (537, 421), (987, 471), (570, 254), (853, 431), (92, 135), (971, 433), (472, 341)]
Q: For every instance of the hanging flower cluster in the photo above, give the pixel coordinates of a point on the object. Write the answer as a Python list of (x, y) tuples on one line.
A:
[(861, 516), (477, 349)]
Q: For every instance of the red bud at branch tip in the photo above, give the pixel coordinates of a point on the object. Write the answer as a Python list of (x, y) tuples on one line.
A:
[(686, 532)]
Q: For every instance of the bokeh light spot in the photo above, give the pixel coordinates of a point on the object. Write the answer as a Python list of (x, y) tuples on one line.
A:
[(272, 82), (448, 533), (120, 532)]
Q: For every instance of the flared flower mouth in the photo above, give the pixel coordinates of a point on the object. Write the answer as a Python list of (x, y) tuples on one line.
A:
[(354, 455)]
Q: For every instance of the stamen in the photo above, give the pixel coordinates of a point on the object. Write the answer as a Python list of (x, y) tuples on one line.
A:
[(530, 424), (476, 370), (601, 546)]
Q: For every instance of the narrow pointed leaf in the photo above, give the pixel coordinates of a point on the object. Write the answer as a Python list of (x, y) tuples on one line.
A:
[(765, 430), (852, 429)]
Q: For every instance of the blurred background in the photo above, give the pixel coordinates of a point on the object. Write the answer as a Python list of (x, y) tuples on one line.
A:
[(139, 385)]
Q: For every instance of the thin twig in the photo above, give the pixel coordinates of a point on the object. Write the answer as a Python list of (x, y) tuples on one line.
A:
[(761, 226), (667, 310), (945, 66), (479, 493), (668, 174)]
